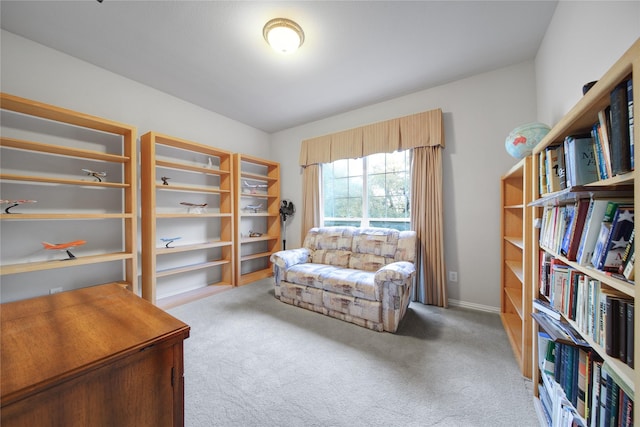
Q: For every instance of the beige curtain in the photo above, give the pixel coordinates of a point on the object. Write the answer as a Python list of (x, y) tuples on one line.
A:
[(311, 198), (422, 132), (427, 221)]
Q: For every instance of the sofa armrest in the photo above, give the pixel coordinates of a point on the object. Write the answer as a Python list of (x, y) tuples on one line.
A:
[(396, 280), (283, 260), (396, 271)]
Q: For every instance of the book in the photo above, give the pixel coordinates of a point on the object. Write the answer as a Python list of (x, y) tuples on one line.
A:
[(570, 211), (595, 216), (630, 332), (631, 131), (559, 331), (622, 329), (619, 235), (601, 242), (603, 133), (597, 149), (547, 308), (582, 208), (627, 252), (629, 269), (542, 173), (554, 158), (583, 360), (619, 142), (594, 408), (580, 160)]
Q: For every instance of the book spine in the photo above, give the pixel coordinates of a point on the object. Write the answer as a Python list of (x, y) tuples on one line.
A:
[(631, 132), (620, 155)]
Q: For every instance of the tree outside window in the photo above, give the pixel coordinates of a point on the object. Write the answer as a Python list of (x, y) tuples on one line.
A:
[(371, 191)]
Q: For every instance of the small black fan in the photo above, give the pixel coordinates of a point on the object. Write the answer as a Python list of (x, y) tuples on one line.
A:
[(286, 211)]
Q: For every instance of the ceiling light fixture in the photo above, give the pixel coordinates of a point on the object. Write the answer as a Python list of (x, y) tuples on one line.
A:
[(283, 35)]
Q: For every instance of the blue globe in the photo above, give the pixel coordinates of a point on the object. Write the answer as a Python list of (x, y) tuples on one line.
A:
[(521, 140)]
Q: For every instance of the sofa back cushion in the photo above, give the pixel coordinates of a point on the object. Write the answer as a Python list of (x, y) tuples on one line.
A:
[(373, 248), (366, 249), (407, 245), (330, 245)]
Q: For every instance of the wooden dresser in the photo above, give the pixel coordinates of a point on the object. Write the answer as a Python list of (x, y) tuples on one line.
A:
[(98, 356)]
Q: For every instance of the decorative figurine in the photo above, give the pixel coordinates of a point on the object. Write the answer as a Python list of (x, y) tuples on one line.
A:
[(64, 247), (15, 203)]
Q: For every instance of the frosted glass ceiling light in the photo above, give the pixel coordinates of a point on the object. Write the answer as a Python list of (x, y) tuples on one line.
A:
[(283, 35)]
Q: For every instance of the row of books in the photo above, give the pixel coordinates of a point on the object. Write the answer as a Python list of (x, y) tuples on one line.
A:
[(599, 232), (599, 312), (607, 151), (579, 389)]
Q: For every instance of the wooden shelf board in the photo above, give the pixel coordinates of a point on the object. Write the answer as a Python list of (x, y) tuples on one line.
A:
[(63, 263), (193, 215), (36, 216), (191, 267), (257, 177), (257, 196), (193, 295), (247, 278), (183, 144), (190, 189), (606, 188), (45, 111), (262, 214), (516, 267), (262, 238), (513, 327), (255, 256), (192, 168), (192, 247), (65, 181), (515, 241), (515, 297), (60, 150)]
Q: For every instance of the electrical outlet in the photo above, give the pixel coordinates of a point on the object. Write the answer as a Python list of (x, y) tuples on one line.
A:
[(55, 290), (453, 276)]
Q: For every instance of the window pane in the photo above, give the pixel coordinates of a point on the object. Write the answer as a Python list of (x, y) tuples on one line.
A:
[(387, 188), (340, 168), (355, 167), (355, 187), (376, 163)]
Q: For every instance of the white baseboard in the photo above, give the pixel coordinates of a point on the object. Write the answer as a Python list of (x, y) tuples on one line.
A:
[(473, 306)]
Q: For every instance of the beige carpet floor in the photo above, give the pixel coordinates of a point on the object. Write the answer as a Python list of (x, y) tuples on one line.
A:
[(252, 360)]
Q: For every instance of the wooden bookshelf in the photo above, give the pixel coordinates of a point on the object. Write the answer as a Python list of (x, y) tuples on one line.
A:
[(193, 204), (579, 120), (515, 272), (71, 202), (257, 183)]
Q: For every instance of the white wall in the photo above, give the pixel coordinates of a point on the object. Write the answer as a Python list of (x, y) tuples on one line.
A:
[(479, 112), (34, 71), (583, 40)]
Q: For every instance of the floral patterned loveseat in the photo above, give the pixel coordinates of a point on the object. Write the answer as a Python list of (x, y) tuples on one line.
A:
[(360, 275)]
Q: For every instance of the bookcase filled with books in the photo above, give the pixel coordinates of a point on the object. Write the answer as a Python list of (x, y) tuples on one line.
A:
[(584, 265), (515, 274), (257, 216), (187, 219)]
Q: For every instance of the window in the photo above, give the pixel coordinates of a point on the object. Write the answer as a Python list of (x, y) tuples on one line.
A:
[(372, 191)]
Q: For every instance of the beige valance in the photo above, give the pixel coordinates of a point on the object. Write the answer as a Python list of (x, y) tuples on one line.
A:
[(417, 130)]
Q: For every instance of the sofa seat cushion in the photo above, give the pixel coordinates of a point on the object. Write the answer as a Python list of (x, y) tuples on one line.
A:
[(355, 283), (343, 281), (308, 274)]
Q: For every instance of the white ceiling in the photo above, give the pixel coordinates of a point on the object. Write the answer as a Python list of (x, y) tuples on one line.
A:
[(356, 53)]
